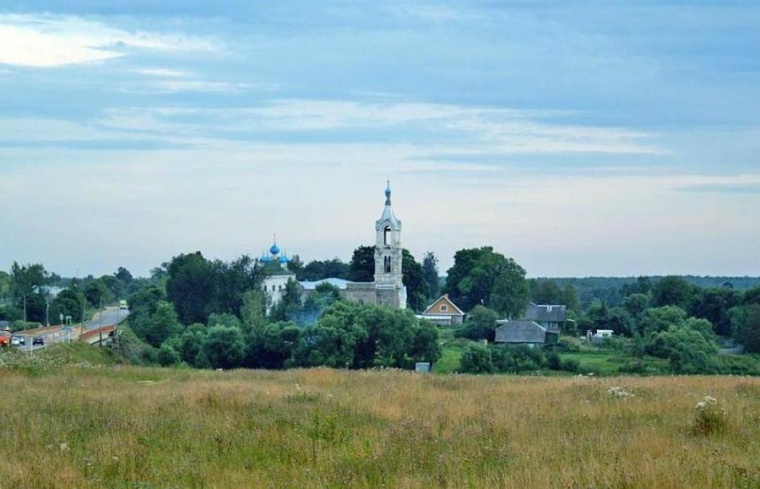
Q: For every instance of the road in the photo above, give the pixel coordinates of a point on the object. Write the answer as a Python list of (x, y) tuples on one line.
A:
[(56, 334), (111, 316)]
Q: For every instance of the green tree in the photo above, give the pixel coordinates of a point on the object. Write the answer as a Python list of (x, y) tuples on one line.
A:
[(476, 359), (253, 311), (661, 319), (363, 264), (289, 306), (318, 270), (27, 282), (68, 302), (511, 294), (190, 287), (636, 304), (229, 281), (479, 325), (123, 275), (157, 327), (167, 355), (481, 276), (431, 275), (97, 293), (713, 304), (745, 323), (673, 291), (333, 340), (224, 347)]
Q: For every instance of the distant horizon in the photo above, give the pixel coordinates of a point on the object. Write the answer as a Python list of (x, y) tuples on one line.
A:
[(589, 139)]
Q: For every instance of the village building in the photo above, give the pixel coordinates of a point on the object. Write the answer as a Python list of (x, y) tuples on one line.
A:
[(524, 332), (387, 289), (551, 317), (443, 312)]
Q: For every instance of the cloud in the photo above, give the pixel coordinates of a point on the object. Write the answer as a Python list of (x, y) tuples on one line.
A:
[(47, 41), (162, 72), (730, 188)]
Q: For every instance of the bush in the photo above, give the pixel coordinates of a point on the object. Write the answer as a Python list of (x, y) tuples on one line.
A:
[(571, 365), (476, 359), (710, 417)]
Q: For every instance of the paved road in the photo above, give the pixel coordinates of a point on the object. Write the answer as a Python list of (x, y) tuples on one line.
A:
[(111, 316)]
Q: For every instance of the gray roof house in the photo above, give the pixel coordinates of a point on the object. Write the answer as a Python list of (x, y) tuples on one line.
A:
[(524, 332), (552, 317)]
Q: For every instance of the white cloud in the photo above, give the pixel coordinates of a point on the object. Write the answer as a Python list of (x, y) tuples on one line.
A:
[(162, 72), (50, 41), (171, 86)]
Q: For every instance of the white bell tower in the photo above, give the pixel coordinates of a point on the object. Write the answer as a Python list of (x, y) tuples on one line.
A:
[(388, 257)]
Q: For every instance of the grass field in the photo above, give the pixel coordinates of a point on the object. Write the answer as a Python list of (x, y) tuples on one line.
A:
[(128, 427)]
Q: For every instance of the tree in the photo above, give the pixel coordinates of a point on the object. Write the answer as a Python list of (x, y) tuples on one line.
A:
[(414, 280), (253, 311), (363, 264), (318, 270), (745, 323), (189, 287), (636, 304), (511, 293), (661, 319), (68, 302), (289, 306), (156, 327), (123, 275), (714, 304), (224, 347), (27, 281), (116, 287), (672, 291), (545, 291), (481, 276), (229, 281), (97, 293), (430, 275), (480, 324), (476, 359)]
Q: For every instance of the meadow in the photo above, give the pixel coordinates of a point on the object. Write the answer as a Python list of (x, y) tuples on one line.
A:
[(129, 427)]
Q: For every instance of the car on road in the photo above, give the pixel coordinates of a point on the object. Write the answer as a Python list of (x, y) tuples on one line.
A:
[(38, 340), (18, 341)]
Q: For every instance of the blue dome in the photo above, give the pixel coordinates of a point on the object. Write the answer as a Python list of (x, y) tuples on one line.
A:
[(284, 259), (275, 250), (264, 259)]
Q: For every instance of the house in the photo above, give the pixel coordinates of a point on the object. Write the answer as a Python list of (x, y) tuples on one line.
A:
[(443, 312), (524, 332), (551, 317)]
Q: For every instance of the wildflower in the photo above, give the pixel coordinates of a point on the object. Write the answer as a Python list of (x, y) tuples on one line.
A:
[(64, 447)]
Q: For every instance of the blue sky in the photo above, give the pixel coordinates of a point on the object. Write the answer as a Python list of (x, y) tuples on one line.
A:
[(593, 138)]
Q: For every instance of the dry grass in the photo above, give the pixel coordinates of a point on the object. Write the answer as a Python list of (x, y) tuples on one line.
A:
[(149, 428)]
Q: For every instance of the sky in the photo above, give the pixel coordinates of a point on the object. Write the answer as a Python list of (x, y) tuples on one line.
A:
[(595, 138)]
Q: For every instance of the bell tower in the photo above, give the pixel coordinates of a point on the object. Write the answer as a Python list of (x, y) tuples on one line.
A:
[(388, 257)]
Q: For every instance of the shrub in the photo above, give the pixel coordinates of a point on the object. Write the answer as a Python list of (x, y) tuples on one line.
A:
[(710, 417), (476, 359)]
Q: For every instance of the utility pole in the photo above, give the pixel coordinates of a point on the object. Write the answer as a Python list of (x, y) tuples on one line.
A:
[(100, 320)]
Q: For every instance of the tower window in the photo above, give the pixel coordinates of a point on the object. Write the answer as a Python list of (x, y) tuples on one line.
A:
[(387, 235), (387, 264)]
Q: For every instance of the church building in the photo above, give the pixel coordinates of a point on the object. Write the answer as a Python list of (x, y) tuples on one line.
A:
[(387, 289)]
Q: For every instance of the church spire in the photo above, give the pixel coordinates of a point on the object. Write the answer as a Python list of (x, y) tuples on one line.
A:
[(388, 194)]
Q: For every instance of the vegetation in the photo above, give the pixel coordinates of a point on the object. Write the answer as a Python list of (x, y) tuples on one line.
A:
[(135, 427)]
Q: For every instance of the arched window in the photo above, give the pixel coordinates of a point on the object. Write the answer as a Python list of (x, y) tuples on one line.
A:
[(387, 235)]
